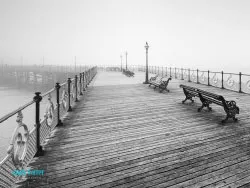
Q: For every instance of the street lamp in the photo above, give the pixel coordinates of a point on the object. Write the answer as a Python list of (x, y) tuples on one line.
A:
[(121, 63), (126, 60), (146, 47)]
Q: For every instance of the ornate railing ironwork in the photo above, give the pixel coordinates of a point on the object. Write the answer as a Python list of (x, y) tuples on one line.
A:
[(232, 81), (26, 144)]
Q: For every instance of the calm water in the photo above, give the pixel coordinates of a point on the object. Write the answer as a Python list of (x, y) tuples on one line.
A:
[(11, 99)]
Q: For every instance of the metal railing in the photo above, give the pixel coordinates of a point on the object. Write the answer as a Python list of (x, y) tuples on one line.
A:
[(238, 82), (26, 144)]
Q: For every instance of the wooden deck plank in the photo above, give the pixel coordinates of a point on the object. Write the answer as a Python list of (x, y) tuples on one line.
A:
[(133, 136)]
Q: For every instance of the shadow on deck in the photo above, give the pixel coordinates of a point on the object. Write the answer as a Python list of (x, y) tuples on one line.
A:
[(130, 135)]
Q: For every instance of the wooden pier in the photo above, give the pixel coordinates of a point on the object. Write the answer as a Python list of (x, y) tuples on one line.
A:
[(122, 133)]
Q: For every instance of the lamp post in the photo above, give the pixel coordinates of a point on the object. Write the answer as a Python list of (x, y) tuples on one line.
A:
[(146, 47), (121, 63), (126, 53)]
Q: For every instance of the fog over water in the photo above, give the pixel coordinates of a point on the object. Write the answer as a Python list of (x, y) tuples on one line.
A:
[(204, 34)]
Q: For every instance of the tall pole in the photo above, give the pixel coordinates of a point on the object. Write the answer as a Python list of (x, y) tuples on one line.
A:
[(126, 60), (121, 63), (146, 47)]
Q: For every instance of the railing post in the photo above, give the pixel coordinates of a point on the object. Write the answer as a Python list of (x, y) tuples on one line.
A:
[(240, 91), (198, 76), (80, 83), (83, 80), (87, 83), (70, 108), (170, 72), (37, 100), (59, 122), (189, 75), (182, 74), (76, 99), (222, 80), (208, 79)]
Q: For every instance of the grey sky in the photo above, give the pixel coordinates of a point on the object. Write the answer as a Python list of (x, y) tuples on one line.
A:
[(182, 33)]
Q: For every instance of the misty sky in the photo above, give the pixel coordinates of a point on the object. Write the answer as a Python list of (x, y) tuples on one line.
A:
[(183, 33)]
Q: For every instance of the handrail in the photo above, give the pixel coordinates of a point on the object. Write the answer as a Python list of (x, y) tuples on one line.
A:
[(48, 92), (4, 118)]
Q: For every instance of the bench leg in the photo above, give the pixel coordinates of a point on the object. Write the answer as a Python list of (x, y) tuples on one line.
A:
[(205, 103), (224, 120), (202, 106), (187, 98), (199, 109), (166, 89), (234, 119)]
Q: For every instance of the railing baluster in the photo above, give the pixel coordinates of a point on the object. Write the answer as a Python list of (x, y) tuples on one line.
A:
[(37, 100), (182, 74), (170, 72)]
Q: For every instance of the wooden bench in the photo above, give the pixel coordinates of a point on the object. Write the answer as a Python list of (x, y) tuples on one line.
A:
[(160, 82), (208, 98), (128, 73)]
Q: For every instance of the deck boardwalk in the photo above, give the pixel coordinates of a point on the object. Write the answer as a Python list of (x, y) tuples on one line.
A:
[(125, 134)]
